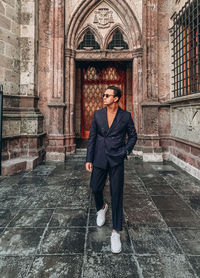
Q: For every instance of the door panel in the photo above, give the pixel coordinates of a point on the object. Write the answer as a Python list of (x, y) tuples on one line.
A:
[(95, 79)]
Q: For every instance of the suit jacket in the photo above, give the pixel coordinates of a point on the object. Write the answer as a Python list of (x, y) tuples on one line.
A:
[(109, 144)]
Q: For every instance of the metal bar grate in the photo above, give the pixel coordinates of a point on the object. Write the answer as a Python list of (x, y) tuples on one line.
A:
[(186, 49), (117, 41), (89, 41)]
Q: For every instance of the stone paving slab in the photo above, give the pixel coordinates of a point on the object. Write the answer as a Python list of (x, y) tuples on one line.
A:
[(15, 266), (62, 266), (20, 241), (63, 241), (110, 265), (165, 266), (154, 241), (48, 223)]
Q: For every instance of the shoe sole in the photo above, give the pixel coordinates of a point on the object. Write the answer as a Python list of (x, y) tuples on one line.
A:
[(117, 251), (105, 217)]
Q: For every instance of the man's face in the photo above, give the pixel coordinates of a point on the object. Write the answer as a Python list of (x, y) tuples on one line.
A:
[(111, 98)]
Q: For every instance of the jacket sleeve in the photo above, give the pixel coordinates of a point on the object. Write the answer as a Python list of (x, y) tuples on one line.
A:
[(132, 135), (91, 141)]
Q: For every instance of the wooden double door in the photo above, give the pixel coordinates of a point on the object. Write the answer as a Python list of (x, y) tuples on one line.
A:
[(95, 78)]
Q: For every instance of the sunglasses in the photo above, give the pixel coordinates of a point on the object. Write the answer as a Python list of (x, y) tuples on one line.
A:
[(107, 95)]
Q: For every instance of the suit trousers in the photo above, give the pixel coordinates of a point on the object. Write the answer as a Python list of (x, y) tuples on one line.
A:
[(97, 184)]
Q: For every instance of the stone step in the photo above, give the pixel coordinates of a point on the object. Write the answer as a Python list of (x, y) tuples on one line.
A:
[(80, 151), (16, 165), (77, 156)]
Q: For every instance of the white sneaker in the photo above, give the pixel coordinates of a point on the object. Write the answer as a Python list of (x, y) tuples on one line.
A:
[(101, 216), (116, 246)]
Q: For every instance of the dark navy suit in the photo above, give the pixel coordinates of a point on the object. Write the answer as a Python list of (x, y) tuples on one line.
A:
[(107, 148)]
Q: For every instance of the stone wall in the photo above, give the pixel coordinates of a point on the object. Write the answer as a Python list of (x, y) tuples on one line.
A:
[(185, 117), (22, 121), (184, 145)]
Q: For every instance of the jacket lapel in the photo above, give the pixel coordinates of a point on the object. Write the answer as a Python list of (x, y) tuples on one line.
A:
[(105, 127), (115, 121)]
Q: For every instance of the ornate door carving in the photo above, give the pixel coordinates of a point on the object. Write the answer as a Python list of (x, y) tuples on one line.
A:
[(95, 79)]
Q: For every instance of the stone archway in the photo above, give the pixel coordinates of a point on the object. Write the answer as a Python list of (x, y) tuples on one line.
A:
[(57, 56), (83, 19)]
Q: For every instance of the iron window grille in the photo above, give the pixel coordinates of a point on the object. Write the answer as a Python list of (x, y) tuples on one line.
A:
[(89, 42), (186, 49), (117, 41)]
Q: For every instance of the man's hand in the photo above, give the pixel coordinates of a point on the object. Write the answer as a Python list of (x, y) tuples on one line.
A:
[(88, 166)]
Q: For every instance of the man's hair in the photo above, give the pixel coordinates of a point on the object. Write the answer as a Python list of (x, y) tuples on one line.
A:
[(117, 91)]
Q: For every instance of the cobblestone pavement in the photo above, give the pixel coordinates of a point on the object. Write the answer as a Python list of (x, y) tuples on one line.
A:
[(48, 224)]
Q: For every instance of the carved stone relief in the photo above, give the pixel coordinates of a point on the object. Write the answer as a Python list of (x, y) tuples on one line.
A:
[(103, 18), (187, 118)]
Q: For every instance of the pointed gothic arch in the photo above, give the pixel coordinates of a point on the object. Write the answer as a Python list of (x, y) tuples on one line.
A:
[(81, 34), (122, 9), (111, 32)]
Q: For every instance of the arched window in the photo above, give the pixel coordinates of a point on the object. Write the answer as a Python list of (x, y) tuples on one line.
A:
[(89, 41), (117, 41)]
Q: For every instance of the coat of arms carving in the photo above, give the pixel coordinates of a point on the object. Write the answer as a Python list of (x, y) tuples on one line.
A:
[(103, 18)]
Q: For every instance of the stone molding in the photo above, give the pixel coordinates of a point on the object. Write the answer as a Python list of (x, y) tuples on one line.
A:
[(195, 172), (154, 103), (187, 98), (108, 55), (25, 136), (54, 104), (186, 142), (183, 152), (148, 137)]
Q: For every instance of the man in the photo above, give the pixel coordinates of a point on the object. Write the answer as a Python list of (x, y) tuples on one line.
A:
[(105, 154)]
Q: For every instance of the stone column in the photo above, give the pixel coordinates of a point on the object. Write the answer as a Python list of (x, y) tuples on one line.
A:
[(137, 100), (69, 127), (32, 119), (150, 36), (52, 75), (150, 105)]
